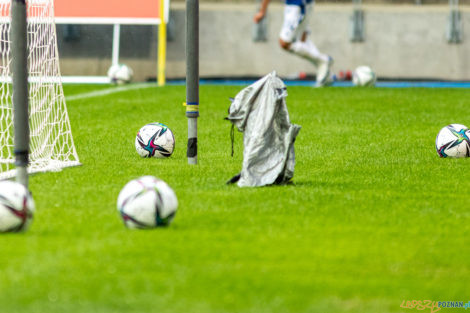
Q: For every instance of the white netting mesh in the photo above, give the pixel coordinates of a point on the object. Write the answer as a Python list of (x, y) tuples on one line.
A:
[(51, 142)]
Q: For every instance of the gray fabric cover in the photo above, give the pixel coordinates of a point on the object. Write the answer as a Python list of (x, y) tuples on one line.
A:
[(260, 112)]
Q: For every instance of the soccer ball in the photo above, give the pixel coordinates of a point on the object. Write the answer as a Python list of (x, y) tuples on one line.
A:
[(364, 76), (147, 202), (16, 207), (155, 140), (120, 74), (453, 141)]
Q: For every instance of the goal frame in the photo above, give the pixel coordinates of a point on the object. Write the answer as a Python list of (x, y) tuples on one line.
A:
[(68, 16), (37, 97)]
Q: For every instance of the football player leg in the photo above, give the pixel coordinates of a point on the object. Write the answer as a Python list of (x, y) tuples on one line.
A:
[(294, 38)]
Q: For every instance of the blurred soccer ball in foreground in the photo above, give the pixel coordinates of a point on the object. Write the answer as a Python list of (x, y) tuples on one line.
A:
[(120, 74), (155, 140), (16, 207), (364, 76), (147, 202), (453, 141)]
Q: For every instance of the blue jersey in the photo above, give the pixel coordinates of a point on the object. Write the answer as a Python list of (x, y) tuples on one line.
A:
[(298, 2)]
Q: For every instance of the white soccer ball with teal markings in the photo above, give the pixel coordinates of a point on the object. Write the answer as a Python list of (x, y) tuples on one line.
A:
[(120, 74), (364, 76), (16, 207), (155, 140), (453, 141), (147, 202)]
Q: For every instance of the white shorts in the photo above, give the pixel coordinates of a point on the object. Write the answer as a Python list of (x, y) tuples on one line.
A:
[(295, 22)]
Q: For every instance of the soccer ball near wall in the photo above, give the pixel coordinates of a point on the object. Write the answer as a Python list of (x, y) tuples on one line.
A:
[(364, 76), (147, 202), (120, 74), (155, 140), (16, 207), (453, 141)]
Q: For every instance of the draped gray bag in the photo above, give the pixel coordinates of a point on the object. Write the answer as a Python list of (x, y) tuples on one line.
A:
[(260, 112)]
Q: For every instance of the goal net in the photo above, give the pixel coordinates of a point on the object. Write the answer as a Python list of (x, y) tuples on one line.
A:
[(51, 142)]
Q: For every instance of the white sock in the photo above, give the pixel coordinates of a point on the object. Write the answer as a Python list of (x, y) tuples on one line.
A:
[(308, 50)]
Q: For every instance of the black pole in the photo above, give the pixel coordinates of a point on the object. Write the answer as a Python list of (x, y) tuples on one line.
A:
[(192, 76), (19, 53)]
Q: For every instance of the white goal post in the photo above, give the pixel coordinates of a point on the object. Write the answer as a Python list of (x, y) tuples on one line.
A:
[(51, 142)]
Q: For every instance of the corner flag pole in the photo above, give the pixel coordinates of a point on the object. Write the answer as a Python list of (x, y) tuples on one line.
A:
[(19, 52), (192, 76), (161, 45)]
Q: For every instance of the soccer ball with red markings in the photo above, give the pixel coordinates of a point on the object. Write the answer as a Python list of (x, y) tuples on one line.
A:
[(155, 140), (147, 202), (16, 207), (453, 141)]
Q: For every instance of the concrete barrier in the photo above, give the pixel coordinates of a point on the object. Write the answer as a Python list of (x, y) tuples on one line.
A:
[(401, 41)]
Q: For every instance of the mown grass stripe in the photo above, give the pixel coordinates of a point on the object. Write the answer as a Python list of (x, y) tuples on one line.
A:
[(109, 91)]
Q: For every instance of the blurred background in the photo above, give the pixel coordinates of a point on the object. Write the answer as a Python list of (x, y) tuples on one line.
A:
[(399, 39)]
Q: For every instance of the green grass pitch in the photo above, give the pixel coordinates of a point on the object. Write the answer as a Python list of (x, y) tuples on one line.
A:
[(374, 218)]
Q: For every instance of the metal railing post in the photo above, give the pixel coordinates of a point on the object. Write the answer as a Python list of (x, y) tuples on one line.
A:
[(455, 24), (357, 22)]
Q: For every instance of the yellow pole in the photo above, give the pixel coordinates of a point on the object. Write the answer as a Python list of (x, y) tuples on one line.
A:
[(161, 45)]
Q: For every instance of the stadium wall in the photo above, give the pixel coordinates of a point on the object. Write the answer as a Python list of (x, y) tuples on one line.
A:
[(401, 41)]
